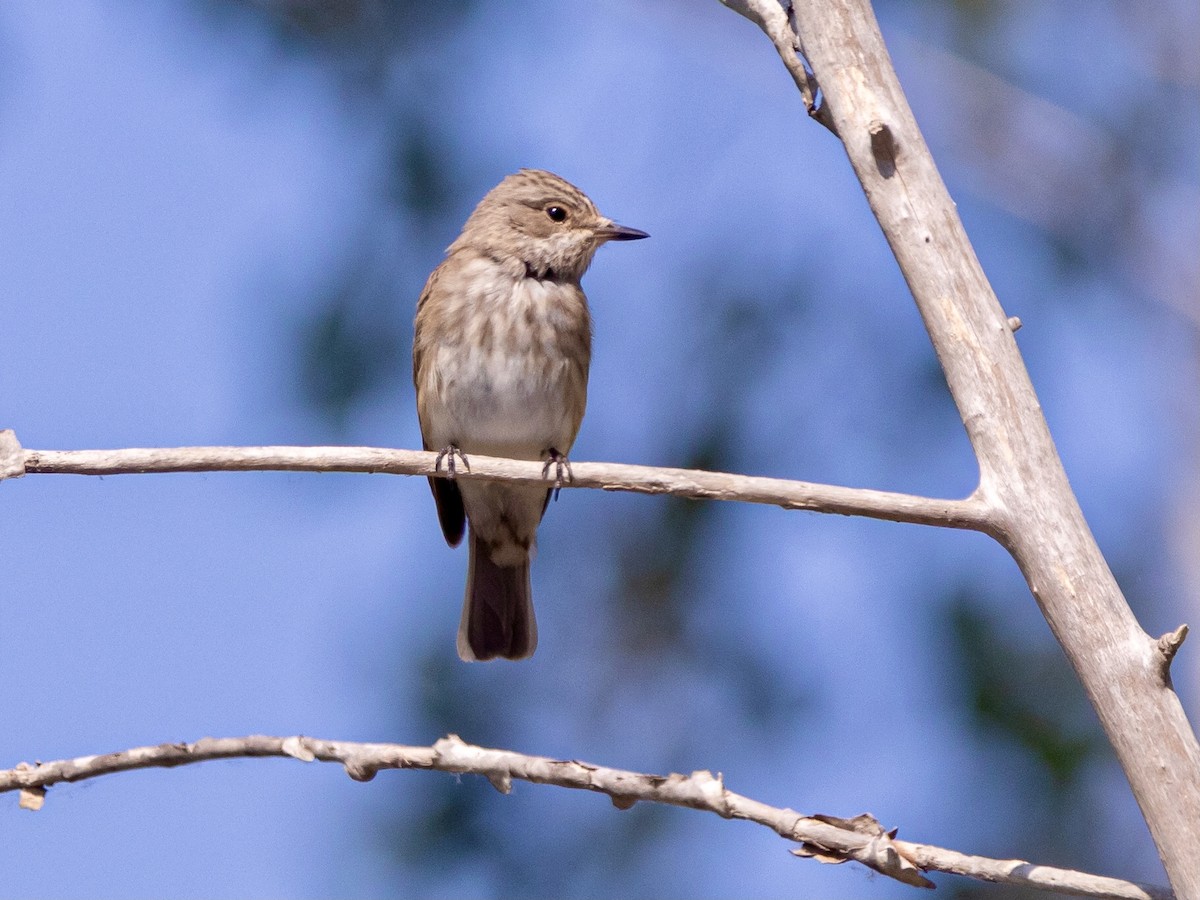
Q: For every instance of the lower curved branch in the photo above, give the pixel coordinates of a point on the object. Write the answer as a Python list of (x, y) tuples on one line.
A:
[(829, 839)]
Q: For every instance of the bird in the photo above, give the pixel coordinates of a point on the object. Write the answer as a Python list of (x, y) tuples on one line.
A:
[(501, 351)]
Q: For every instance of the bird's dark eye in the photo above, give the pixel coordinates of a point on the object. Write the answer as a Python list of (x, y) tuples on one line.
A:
[(557, 213)]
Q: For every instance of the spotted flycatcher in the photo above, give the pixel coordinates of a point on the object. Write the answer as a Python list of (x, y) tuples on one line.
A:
[(500, 361)]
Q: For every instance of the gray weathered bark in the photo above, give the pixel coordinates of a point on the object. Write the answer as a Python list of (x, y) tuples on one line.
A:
[(1033, 510)]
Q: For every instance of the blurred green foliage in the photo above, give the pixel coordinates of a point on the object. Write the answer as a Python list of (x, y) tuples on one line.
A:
[(1025, 695)]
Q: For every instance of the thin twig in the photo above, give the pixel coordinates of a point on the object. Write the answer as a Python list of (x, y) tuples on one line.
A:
[(970, 513), (775, 22), (829, 839)]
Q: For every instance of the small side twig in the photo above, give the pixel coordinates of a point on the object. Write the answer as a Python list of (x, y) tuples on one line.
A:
[(775, 22), (1167, 646)]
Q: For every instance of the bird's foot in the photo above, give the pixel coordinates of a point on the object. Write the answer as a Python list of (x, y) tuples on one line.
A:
[(448, 453), (562, 466)]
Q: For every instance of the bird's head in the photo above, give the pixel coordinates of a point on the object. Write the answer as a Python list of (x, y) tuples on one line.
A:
[(545, 222)]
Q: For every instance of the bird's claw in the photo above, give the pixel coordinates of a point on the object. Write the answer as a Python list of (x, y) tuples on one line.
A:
[(448, 453), (561, 465)]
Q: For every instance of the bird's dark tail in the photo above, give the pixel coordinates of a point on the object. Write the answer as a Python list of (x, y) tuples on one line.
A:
[(497, 617)]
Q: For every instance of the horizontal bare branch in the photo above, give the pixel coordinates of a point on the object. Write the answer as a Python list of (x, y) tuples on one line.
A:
[(826, 838), (970, 513)]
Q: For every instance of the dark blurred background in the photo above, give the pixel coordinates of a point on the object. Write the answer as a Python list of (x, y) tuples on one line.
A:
[(218, 215)]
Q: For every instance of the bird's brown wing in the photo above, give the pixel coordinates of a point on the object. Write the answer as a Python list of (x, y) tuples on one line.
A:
[(446, 495), (451, 514)]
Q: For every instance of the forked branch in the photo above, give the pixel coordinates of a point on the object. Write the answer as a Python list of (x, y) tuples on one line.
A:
[(1122, 669)]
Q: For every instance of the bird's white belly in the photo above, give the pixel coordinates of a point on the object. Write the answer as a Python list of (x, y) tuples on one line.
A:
[(504, 404), (511, 378)]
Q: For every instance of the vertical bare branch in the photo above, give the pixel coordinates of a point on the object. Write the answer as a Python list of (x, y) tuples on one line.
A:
[(1121, 667)]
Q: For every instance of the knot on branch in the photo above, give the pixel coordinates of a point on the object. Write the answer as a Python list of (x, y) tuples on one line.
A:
[(12, 455), (359, 770), (883, 148), (501, 782), (711, 789), (878, 851), (297, 747), (32, 798)]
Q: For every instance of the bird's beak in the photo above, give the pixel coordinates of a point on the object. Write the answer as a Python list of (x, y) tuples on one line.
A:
[(614, 232)]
